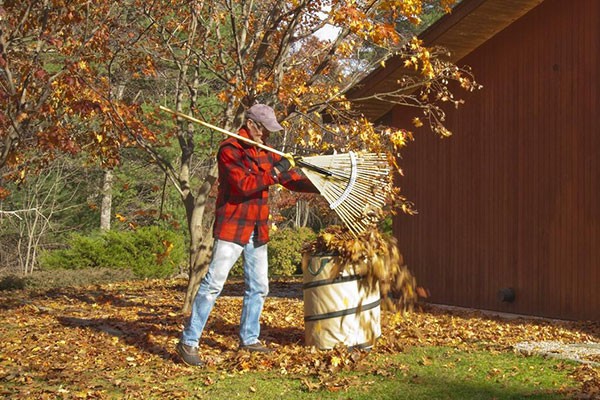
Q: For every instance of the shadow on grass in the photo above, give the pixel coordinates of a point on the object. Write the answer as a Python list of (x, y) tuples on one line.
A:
[(442, 387), (138, 333), (165, 320)]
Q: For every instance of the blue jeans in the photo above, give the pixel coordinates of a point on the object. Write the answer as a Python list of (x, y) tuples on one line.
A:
[(256, 280)]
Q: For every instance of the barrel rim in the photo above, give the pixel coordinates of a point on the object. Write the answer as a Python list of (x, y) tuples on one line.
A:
[(323, 254)]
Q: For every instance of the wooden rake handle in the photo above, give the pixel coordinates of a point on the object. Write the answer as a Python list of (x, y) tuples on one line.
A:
[(298, 160), (216, 128)]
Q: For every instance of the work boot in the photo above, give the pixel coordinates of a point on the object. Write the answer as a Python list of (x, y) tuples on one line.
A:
[(256, 348), (189, 355)]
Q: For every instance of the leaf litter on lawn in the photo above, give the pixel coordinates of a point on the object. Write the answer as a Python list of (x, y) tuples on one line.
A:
[(88, 340)]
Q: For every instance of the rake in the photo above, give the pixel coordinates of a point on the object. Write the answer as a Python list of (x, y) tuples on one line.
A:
[(355, 185)]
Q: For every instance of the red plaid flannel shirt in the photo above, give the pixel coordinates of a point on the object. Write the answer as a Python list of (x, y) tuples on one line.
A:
[(245, 174)]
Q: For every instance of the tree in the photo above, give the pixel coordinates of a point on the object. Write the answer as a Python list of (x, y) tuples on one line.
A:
[(57, 84), (213, 60), (48, 205), (268, 52), (106, 204)]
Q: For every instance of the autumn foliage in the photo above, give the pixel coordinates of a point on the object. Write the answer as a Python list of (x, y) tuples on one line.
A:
[(85, 79), (102, 341), (66, 66), (58, 94)]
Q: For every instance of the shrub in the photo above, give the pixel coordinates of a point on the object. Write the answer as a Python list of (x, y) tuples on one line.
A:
[(12, 282), (285, 252), (150, 252)]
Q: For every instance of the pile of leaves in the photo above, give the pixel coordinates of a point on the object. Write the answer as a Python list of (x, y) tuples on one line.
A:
[(94, 341), (377, 257)]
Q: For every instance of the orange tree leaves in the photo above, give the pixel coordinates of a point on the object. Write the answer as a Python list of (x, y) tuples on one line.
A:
[(57, 83), (216, 58), (65, 64)]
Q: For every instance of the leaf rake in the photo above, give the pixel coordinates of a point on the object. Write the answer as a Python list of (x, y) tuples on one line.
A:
[(355, 185)]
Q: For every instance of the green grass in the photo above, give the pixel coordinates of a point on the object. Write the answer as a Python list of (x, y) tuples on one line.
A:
[(418, 373)]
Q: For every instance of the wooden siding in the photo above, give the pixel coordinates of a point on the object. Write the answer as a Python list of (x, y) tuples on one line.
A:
[(513, 198), (470, 24)]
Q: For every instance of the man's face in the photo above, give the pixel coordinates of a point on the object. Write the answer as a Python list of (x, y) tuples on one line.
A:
[(257, 131)]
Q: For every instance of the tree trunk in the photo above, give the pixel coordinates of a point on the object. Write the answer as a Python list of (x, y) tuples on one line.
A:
[(200, 241), (302, 213), (106, 207), (199, 260)]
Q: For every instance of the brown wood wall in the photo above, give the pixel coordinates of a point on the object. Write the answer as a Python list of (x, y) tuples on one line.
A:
[(512, 199)]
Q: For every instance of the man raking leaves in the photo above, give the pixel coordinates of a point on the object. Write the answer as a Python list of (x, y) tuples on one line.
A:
[(246, 171), (355, 185)]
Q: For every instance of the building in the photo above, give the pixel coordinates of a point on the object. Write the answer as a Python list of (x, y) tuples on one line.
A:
[(509, 206)]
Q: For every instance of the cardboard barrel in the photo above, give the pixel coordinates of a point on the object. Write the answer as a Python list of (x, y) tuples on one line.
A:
[(339, 305)]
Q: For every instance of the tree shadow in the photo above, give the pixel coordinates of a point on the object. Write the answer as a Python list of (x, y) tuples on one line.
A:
[(97, 296), (278, 288), (138, 333), (426, 386), (72, 294), (164, 319), (135, 333)]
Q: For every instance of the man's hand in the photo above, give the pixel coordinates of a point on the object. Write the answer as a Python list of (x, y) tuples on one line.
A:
[(286, 162)]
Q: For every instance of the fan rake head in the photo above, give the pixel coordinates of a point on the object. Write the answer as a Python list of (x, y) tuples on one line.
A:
[(356, 186)]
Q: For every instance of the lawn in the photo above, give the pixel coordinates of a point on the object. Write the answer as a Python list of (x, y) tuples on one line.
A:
[(117, 341)]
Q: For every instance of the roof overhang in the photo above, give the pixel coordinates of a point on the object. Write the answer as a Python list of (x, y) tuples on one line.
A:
[(471, 23)]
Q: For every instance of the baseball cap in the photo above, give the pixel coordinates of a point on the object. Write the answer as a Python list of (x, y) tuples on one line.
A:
[(264, 115)]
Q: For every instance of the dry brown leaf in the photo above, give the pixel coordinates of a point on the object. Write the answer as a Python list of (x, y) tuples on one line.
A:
[(76, 343)]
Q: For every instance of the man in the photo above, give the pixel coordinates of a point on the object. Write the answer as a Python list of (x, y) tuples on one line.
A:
[(241, 226)]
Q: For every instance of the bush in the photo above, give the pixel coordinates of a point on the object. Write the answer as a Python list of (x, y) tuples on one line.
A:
[(150, 252), (12, 282), (285, 252), (81, 252)]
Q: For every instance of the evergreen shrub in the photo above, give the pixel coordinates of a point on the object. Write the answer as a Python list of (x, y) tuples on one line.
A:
[(150, 252)]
